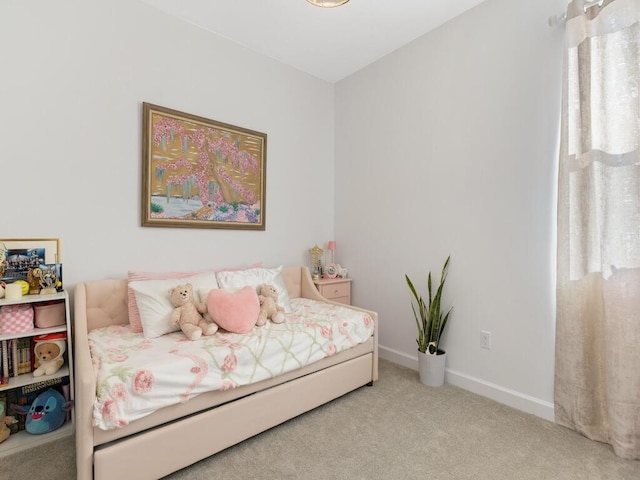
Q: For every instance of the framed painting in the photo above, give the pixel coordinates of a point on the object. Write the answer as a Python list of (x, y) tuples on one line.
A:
[(200, 173), (19, 255)]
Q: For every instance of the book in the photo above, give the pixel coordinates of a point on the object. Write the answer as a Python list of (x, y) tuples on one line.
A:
[(24, 355), (5, 358), (14, 357)]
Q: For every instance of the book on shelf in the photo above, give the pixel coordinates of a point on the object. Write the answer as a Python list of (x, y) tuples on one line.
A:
[(4, 345), (8, 357), (16, 357), (25, 350)]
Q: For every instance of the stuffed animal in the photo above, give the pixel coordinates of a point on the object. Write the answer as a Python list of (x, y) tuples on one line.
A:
[(269, 308), (47, 412), (49, 351), (188, 314), (5, 421)]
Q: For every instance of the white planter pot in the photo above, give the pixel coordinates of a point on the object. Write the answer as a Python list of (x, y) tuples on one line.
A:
[(431, 368)]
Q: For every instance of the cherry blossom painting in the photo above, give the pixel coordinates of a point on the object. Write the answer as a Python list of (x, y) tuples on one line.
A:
[(201, 173)]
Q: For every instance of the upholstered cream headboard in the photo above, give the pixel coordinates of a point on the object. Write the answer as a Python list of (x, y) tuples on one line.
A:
[(105, 301)]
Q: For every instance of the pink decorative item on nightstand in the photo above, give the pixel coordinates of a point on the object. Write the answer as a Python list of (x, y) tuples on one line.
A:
[(331, 246)]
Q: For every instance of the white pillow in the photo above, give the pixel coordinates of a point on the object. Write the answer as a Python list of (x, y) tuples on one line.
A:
[(154, 304), (203, 293), (254, 277)]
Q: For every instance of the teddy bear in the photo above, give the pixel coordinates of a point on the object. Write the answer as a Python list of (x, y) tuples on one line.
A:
[(5, 422), (189, 314), (49, 351), (269, 308)]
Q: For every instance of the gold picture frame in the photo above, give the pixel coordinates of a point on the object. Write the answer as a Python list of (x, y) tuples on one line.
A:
[(200, 173)]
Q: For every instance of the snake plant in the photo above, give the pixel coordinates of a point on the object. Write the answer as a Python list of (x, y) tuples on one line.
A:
[(430, 319)]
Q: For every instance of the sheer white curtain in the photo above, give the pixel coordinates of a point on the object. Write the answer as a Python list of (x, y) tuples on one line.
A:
[(597, 378)]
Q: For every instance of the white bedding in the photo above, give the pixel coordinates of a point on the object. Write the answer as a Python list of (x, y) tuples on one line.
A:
[(136, 376)]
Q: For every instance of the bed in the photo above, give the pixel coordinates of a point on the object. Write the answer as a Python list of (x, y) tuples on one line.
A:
[(218, 410)]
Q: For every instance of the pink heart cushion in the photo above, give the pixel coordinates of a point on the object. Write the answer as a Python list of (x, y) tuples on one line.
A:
[(236, 310)]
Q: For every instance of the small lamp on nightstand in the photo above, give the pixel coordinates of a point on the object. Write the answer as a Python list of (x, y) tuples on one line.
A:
[(331, 246)]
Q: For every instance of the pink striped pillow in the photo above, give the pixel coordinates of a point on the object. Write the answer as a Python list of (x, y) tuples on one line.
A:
[(134, 315)]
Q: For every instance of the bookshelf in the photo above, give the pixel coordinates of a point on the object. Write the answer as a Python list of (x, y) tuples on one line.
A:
[(23, 439)]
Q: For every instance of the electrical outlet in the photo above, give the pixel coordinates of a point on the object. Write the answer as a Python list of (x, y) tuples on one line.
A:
[(485, 339)]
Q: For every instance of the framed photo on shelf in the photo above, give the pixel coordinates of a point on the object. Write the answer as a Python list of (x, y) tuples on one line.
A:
[(19, 255), (45, 278), (200, 173)]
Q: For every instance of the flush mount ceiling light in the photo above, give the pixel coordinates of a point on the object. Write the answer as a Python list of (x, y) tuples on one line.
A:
[(327, 3)]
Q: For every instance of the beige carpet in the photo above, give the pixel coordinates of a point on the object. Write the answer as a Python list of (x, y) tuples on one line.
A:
[(397, 429)]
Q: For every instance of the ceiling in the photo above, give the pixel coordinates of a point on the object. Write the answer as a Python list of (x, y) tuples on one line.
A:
[(328, 43)]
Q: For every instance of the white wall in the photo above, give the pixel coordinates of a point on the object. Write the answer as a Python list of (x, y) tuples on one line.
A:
[(448, 146), (73, 78)]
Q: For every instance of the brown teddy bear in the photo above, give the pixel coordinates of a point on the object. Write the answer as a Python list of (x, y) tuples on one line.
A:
[(269, 308), (49, 351), (188, 314), (5, 423)]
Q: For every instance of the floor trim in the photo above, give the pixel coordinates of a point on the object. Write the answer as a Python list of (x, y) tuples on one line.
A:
[(518, 400)]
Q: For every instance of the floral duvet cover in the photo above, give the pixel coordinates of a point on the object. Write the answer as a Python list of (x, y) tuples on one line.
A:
[(136, 376)]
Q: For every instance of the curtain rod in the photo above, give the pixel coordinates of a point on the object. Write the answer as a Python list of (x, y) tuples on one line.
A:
[(562, 17)]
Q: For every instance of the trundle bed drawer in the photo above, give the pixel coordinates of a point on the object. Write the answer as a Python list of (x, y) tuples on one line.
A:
[(211, 431)]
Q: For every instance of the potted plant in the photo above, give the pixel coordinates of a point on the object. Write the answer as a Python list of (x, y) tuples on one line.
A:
[(431, 321)]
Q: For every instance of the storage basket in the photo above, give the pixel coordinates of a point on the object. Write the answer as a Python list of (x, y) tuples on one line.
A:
[(49, 314), (16, 318)]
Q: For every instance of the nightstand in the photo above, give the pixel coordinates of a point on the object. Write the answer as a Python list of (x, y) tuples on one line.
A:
[(336, 289)]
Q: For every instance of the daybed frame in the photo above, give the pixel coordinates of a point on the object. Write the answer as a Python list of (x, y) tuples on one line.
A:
[(180, 435)]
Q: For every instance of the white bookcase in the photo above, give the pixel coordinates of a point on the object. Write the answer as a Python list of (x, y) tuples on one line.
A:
[(23, 439)]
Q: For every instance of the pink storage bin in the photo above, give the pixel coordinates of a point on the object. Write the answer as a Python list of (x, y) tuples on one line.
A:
[(49, 314), (16, 318)]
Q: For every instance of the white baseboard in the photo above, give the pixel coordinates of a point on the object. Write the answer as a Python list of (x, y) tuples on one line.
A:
[(506, 396), (400, 358)]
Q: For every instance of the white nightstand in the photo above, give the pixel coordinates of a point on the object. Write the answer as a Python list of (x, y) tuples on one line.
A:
[(336, 289)]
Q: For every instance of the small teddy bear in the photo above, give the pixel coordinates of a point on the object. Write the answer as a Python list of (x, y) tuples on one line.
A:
[(5, 423), (269, 308), (49, 351), (188, 314)]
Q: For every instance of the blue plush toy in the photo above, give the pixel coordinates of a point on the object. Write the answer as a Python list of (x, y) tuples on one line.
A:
[(46, 413)]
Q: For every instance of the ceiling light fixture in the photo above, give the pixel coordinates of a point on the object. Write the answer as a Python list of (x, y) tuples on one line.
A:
[(327, 3)]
